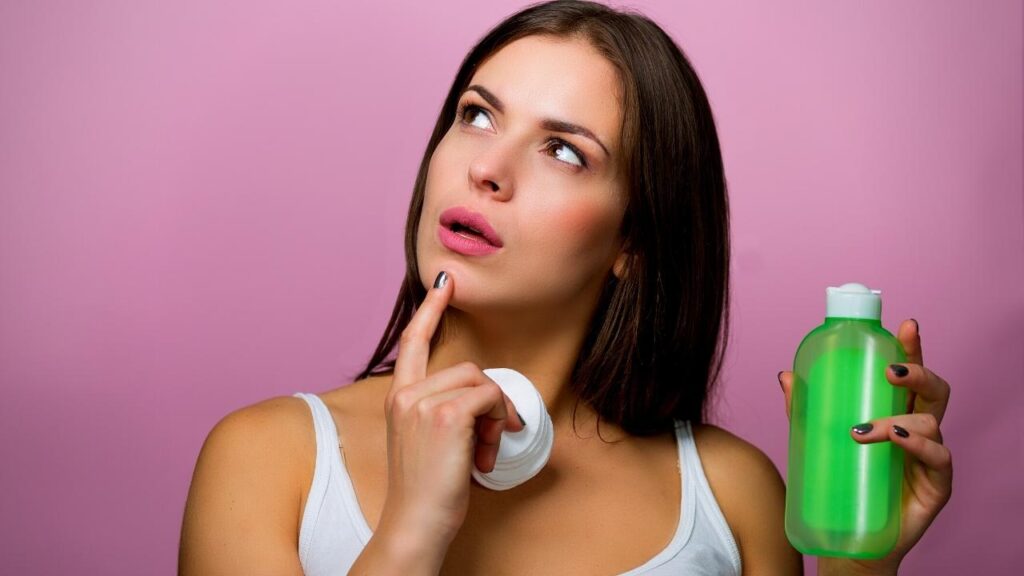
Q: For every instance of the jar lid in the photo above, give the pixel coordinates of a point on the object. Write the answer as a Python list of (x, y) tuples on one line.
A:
[(521, 455)]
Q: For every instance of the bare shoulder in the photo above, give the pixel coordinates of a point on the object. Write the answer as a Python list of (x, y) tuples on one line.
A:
[(275, 432), (751, 493), (243, 510), (745, 482), (723, 451)]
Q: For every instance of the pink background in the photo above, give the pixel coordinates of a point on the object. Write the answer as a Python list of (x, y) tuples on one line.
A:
[(201, 206)]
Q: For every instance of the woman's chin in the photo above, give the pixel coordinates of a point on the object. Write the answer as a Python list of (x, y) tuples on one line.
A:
[(472, 298), (479, 292), (466, 279)]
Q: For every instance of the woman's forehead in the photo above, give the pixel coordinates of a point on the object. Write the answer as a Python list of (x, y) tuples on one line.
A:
[(543, 77)]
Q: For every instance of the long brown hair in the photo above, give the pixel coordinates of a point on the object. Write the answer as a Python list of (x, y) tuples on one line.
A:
[(654, 349)]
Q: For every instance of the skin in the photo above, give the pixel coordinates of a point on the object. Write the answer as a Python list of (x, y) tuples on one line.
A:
[(528, 304), (411, 437)]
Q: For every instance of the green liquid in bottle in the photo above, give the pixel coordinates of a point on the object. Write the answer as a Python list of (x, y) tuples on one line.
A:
[(843, 498)]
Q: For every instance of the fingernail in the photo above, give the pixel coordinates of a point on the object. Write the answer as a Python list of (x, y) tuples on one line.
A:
[(917, 327), (902, 433), (442, 279), (899, 370), (863, 428), (780, 377), (521, 418)]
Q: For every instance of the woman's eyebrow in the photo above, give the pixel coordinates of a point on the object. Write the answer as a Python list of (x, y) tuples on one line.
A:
[(547, 123)]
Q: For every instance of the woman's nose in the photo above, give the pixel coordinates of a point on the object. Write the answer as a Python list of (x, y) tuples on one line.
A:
[(491, 173)]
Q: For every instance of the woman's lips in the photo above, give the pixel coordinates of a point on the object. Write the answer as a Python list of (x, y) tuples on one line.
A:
[(467, 232), (462, 216), (467, 245)]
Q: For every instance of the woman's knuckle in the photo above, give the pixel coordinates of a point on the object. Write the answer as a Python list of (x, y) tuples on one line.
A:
[(946, 459), (447, 415), (403, 400), (929, 422), (424, 409), (493, 391), (468, 368)]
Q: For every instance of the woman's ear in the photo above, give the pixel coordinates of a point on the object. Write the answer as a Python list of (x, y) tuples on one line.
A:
[(622, 264)]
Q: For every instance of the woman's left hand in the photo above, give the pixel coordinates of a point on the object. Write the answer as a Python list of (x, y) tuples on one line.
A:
[(928, 469)]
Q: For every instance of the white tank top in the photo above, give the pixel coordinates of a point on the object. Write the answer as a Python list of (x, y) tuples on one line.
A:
[(334, 531)]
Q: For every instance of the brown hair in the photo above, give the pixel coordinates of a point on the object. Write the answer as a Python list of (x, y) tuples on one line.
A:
[(654, 349)]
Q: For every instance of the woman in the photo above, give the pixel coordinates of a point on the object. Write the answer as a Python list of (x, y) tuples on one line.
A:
[(569, 220)]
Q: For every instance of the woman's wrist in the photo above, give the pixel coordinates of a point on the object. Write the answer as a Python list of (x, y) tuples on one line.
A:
[(400, 550), (413, 537), (413, 553)]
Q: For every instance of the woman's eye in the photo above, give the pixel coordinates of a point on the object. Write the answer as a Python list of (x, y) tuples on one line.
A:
[(475, 116), (567, 153), (563, 151)]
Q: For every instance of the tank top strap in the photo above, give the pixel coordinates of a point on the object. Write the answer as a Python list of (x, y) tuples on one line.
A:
[(688, 483), (703, 495), (688, 448), (327, 440), (331, 480)]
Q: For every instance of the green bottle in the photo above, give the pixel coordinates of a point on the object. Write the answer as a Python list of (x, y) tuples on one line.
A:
[(842, 497)]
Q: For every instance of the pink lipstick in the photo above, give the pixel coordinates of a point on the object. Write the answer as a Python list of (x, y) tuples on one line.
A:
[(467, 232)]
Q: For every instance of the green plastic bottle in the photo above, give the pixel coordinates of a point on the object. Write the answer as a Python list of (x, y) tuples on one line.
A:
[(843, 497)]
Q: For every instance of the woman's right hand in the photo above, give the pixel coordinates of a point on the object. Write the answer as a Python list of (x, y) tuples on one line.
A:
[(438, 426)]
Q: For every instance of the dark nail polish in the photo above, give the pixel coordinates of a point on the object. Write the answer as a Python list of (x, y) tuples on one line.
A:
[(780, 377), (863, 428), (917, 327), (521, 418), (899, 370), (902, 433), (442, 279)]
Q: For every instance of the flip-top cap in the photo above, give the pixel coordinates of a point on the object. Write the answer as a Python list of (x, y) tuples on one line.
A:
[(853, 301)]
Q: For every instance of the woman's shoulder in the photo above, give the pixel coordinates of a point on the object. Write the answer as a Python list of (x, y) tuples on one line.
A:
[(288, 414), (750, 492), (720, 449), (274, 438), (742, 477), (284, 423), (247, 480), (274, 424)]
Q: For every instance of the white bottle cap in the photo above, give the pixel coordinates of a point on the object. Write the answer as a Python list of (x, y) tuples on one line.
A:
[(521, 455), (853, 301)]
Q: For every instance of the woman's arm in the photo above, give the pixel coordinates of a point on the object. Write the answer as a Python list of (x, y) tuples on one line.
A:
[(438, 427), (242, 514), (752, 496), (243, 510)]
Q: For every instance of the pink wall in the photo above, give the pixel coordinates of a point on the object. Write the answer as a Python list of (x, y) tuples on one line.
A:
[(201, 206)]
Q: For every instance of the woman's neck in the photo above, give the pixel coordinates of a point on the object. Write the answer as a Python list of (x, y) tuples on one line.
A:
[(543, 348)]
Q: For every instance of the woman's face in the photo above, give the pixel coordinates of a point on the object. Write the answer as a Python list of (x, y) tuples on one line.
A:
[(535, 152)]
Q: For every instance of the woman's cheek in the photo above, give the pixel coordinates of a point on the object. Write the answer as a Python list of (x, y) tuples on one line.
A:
[(588, 228)]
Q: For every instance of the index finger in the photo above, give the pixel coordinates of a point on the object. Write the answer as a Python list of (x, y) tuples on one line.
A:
[(414, 346)]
